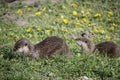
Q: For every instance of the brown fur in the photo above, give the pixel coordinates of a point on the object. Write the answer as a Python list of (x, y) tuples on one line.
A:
[(107, 48), (46, 48)]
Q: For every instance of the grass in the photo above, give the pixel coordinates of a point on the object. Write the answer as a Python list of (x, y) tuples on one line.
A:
[(60, 19)]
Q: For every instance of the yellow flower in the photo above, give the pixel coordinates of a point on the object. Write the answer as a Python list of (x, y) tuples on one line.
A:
[(38, 29), (107, 37), (28, 30), (89, 25), (95, 30), (63, 6), (114, 25), (74, 13), (65, 21), (48, 31), (102, 31), (112, 28), (108, 19), (19, 11), (84, 15), (77, 24), (64, 30), (74, 5), (43, 8), (110, 13), (12, 34), (38, 13), (28, 9), (84, 19), (97, 15)]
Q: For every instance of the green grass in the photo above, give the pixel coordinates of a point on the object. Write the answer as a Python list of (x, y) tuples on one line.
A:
[(49, 23)]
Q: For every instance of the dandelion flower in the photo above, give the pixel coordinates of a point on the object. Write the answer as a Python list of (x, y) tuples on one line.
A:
[(38, 13), (65, 21), (64, 30), (19, 11), (74, 5), (84, 19), (89, 24), (38, 29), (43, 8), (77, 24), (110, 13), (28, 30), (12, 34), (28, 9), (63, 6), (48, 31), (74, 13), (84, 15), (112, 28), (107, 37), (102, 31), (114, 25), (97, 15), (95, 30)]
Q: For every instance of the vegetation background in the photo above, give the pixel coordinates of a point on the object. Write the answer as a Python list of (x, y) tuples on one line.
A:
[(37, 19)]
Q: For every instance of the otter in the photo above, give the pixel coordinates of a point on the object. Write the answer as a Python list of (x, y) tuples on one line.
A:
[(108, 48), (86, 34), (46, 48)]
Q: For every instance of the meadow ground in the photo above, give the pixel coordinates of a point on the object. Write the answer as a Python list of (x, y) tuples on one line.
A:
[(59, 18)]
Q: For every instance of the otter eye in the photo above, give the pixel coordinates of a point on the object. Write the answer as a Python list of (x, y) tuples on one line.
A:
[(85, 41), (25, 44)]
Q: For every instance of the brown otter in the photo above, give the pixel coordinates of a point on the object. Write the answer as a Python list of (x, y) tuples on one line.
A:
[(108, 48), (45, 48), (86, 34)]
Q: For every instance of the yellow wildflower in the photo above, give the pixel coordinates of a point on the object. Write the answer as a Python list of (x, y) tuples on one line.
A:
[(38, 13), (28, 9), (63, 6), (38, 29), (19, 11), (114, 25), (107, 37), (64, 30), (89, 25), (110, 13), (12, 34), (48, 31), (95, 30), (28, 30), (43, 8), (74, 5), (74, 13), (112, 28), (77, 24), (65, 21), (84, 15), (84, 19), (102, 31), (97, 15)]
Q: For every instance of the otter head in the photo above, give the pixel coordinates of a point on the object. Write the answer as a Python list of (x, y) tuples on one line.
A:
[(85, 44), (23, 47), (87, 34)]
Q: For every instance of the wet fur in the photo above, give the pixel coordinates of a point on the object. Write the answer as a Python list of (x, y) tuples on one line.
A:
[(46, 48)]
